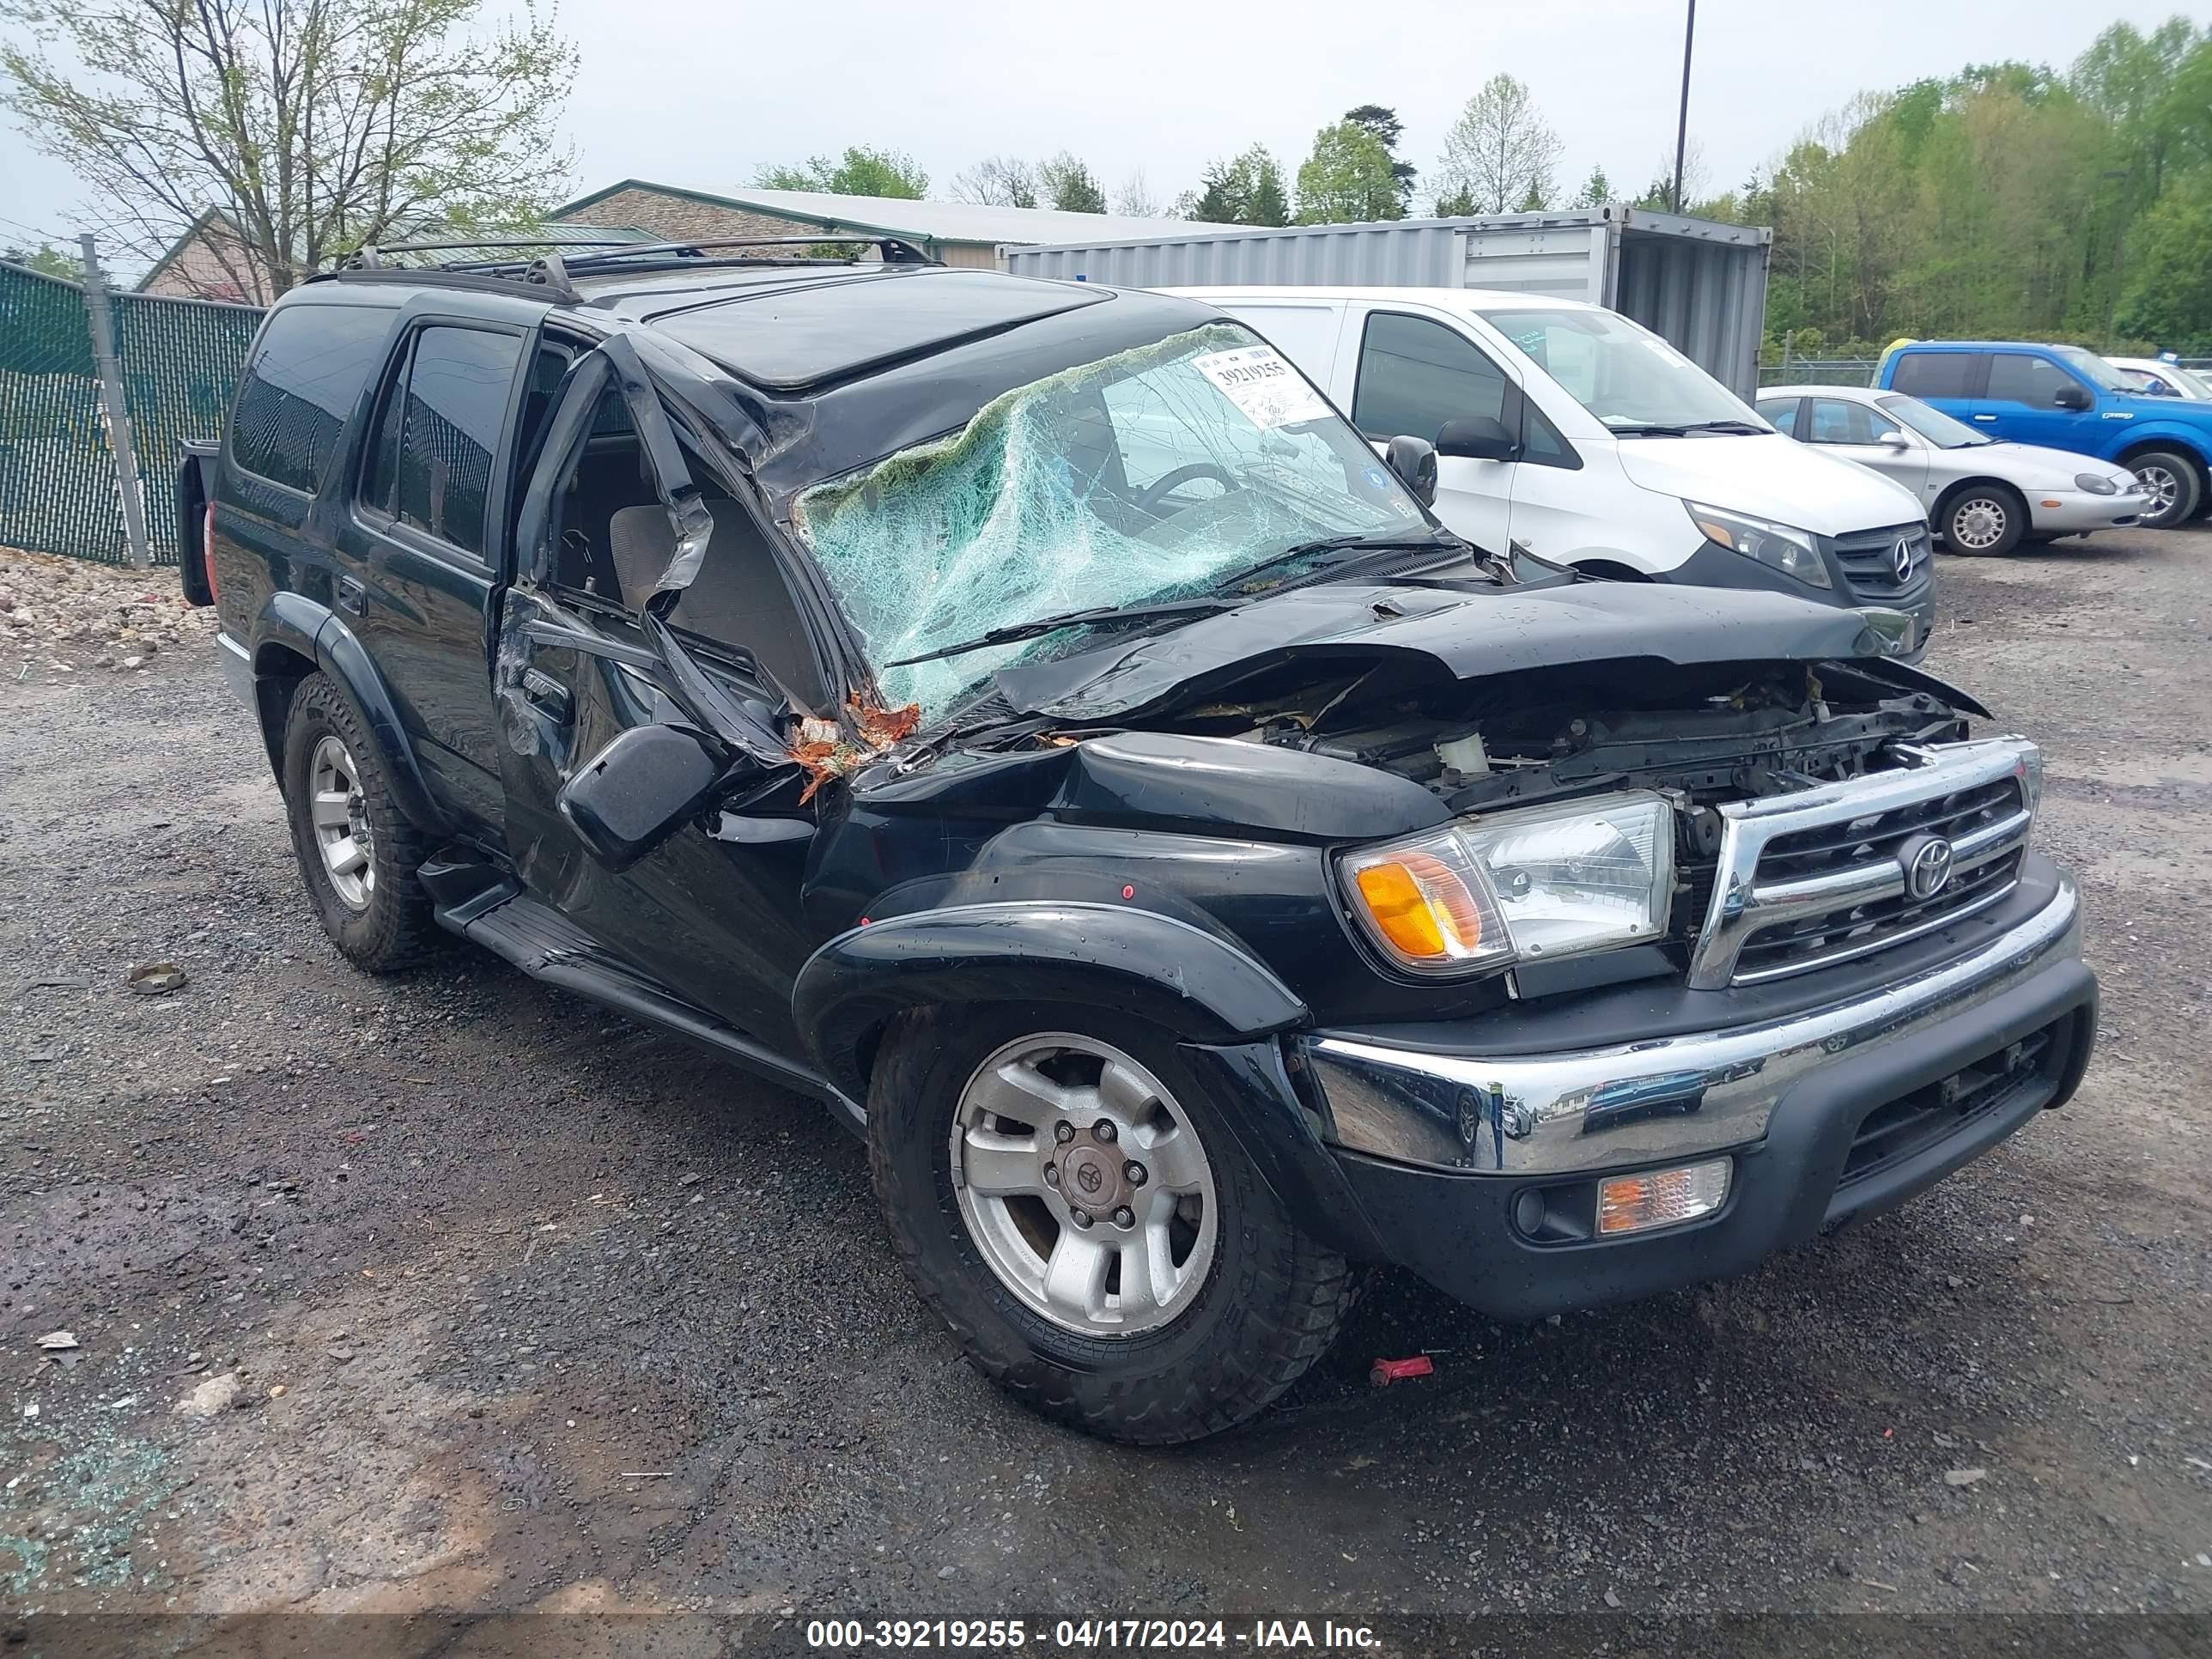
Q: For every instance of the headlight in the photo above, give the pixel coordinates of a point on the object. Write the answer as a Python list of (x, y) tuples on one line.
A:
[(2096, 483), (1548, 882), (1777, 546)]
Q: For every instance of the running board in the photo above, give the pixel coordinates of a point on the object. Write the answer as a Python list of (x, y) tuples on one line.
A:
[(546, 946)]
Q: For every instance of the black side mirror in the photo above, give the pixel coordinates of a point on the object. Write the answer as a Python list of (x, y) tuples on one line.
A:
[(2070, 396), (636, 792), (1414, 461), (1476, 438)]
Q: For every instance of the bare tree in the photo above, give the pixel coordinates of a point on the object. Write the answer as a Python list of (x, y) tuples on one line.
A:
[(1660, 193), (1499, 155), (998, 181), (1135, 197), (314, 127)]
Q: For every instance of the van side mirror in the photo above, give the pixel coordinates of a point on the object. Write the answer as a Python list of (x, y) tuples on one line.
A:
[(1414, 460), (637, 791), (1476, 438), (2073, 397), (1894, 439)]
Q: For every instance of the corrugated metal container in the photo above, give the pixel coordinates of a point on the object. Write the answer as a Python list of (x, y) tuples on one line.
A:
[(1699, 284)]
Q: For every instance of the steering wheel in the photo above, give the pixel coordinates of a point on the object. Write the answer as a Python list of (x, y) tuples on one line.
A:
[(1168, 482)]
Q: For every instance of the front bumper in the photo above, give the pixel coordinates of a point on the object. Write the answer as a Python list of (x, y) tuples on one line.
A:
[(1481, 1173), (2063, 512)]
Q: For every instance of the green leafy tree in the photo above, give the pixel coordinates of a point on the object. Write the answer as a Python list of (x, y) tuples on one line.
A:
[(1347, 178), (1597, 190), (1065, 182), (1501, 150), (47, 260), (860, 171), (1386, 126), (2169, 298), (1454, 202), (316, 125), (1246, 190)]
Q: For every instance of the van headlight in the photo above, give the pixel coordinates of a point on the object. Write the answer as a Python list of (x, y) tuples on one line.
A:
[(1777, 546), (1546, 882)]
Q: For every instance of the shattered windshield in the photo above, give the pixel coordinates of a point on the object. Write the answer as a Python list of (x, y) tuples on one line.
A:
[(1157, 473)]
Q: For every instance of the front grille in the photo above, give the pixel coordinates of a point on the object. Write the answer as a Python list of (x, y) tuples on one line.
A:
[(1911, 1125), (1870, 561), (1861, 929), (1820, 878)]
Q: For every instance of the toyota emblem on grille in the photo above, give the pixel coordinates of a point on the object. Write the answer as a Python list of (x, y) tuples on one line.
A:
[(1927, 861), (1903, 552)]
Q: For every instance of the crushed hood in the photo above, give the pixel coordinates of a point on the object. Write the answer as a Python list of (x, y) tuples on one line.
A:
[(1467, 633)]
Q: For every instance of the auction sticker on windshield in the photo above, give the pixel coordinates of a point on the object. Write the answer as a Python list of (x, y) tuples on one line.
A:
[(1259, 382)]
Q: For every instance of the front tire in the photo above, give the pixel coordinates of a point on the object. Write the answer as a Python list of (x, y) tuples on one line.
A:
[(358, 854), (1985, 521), (1150, 1289), (2171, 478)]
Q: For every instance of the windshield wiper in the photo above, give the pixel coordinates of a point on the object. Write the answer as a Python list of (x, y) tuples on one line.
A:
[(1013, 632), (1357, 542), (1682, 429)]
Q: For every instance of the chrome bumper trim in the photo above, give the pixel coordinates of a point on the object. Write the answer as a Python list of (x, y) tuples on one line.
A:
[(1741, 906), (237, 667), (1670, 1097)]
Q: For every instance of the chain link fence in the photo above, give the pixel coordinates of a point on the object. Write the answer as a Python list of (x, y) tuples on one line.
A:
[(1820, 371), (60, 482)]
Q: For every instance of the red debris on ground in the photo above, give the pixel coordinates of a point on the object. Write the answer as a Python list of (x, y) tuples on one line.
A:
[(1384, 1372)]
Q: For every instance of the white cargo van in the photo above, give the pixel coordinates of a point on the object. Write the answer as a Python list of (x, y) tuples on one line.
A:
[(1586, 440)]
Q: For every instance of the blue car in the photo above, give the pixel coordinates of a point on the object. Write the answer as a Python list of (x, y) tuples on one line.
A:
[(2064, 398)]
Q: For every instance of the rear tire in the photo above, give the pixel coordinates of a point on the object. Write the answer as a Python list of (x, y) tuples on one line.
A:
[(358, 854), (2175, 489), (1259, 1301), (1984, 521)]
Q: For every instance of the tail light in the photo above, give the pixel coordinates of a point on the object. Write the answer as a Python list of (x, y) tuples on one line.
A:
[(207, 551)]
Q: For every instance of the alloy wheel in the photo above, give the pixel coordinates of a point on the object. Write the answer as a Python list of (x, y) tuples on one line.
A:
[(1083, 1185), (339, 813), (2162, 486)]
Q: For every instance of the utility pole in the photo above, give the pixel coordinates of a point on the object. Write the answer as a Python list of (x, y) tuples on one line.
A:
[(120, 442), (1682, 124)]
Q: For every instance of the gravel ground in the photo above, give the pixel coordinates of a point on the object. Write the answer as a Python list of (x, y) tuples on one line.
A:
[(448, 1290)]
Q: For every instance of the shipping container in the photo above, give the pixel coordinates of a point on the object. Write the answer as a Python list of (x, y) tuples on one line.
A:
[(1699, 284)]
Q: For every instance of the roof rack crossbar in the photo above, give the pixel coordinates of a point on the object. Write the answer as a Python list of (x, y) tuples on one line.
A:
[(895, 250), (555, 269)]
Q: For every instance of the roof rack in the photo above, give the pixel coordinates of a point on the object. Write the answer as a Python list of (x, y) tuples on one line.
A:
[(553, 268)]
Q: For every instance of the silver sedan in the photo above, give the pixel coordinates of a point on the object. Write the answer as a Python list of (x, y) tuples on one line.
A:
[(1983, 497)]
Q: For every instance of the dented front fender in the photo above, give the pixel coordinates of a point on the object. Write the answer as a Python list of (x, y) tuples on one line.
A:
[(1199, 986)]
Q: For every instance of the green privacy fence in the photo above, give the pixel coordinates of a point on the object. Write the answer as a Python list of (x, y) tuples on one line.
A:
[(179, 360)]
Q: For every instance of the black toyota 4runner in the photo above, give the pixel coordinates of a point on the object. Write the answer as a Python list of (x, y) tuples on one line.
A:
[(1026, 717)]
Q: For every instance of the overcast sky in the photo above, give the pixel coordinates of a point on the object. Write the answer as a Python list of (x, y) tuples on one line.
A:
[(701, 93)]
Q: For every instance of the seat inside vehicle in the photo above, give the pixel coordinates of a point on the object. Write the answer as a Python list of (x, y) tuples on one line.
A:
[(739, 598)]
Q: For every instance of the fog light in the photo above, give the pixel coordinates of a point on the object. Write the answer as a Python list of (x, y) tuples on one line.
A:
[(1661, 1198)]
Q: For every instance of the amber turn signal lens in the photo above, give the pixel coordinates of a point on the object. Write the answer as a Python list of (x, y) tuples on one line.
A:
[(1421, 905), (1661, 1198)]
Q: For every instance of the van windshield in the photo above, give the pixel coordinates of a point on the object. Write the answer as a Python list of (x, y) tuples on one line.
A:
[(1162, 472), (1626, 376)]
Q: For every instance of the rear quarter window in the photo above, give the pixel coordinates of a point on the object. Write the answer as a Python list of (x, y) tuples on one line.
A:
[(307, 372)]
